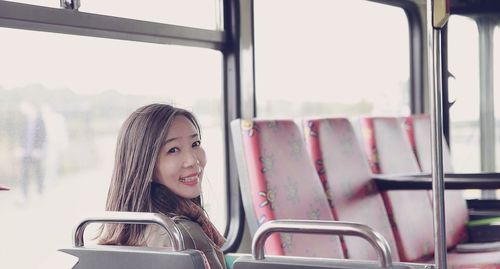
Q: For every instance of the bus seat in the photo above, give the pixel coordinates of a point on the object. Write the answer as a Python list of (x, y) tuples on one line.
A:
[(278, 181), (410, 212), (418, 127), (389, 140), (346, 176), (378, 243), (312, 263), (419, 133), (482, 260), (125, 257), (133, 257)]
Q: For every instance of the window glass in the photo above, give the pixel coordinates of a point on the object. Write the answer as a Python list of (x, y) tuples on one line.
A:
[(79, 90), (205, 14), (496, 84), (321, 58), (464, 91)]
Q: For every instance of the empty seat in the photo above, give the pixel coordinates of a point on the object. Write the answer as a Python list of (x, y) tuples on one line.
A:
[(278, 181), (410, 211), (348, 182), (378, 243), (418, 128), (390, 150), (419, 133)]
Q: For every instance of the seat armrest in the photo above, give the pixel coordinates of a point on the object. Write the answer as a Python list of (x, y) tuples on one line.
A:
[(452, 181)]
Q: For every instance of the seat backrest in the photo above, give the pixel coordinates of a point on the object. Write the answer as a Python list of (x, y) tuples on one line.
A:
[(387, 146), (248, 262), (132, 257), (278, 181), (418, 128), (410, 212), (348, 182), (124, 257)]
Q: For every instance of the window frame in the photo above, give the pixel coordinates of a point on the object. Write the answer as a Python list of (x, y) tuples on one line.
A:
[(64, 21)]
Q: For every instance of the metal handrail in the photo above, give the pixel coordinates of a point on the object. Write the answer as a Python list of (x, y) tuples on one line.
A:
[(322, 227), (165, 222)]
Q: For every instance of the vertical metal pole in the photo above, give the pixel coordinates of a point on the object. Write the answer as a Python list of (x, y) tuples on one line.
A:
[(486, 29), (435, 88)]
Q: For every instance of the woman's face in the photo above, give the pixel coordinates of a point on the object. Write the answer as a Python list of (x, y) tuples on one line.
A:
[(181, 159)]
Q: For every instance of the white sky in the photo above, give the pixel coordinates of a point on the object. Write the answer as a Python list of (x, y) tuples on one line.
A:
[(463, 63), (92, 65)]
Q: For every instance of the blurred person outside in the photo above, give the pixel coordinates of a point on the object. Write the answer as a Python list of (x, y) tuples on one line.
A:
[(56, 141), (33, 139)]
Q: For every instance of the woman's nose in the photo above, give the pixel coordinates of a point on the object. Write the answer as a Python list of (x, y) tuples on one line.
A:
[(191, 159)]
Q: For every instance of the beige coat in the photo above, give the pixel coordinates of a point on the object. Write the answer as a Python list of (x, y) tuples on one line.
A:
[(194, 238)]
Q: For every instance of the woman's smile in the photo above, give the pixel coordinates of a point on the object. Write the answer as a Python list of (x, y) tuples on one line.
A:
[(190, 180)]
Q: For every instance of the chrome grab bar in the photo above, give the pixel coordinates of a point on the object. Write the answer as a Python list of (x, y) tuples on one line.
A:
[(168, 224), (322, 227)]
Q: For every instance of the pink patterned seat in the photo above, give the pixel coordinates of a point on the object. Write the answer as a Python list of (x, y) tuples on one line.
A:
[(410, 212), (278, 181), (390, 152), (419, 131), (347, 180)]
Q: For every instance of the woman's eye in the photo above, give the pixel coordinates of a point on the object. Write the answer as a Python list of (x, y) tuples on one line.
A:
[(196, 144), (173, 150)]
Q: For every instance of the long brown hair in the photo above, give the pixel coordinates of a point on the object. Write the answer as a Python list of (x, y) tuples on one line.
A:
[(139, 142)]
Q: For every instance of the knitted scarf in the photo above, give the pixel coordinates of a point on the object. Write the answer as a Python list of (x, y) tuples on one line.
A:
[(168, 203)]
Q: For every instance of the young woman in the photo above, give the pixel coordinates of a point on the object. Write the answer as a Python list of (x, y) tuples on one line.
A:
[(158, 168)]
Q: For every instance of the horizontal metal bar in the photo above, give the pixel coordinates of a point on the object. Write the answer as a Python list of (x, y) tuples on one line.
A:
[(322, 227), (37, 18), (165, 222), (452, 181)]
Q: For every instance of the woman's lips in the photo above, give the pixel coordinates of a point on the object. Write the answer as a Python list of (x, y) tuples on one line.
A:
[(190, 180)]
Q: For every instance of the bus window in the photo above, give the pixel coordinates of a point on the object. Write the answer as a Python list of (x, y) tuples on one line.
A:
[(464, 90), (62, 101), (496, 74), (343, 58), (203, 14)]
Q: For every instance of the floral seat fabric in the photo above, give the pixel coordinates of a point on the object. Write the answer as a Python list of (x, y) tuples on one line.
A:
[(419, 131), (390, 150), (410, 212), (347, 180), (282, 184)]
